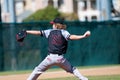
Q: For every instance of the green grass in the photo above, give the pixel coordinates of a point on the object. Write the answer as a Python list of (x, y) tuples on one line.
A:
[(52, 69), (113, 77), (15, 72)]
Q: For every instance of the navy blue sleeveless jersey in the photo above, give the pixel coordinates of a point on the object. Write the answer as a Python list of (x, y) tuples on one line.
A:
[(57, 40)]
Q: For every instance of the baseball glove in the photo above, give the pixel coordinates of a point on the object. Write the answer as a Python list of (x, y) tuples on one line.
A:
[(20, 36)]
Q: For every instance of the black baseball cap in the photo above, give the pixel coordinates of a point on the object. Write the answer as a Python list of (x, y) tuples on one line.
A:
[(57, 20)]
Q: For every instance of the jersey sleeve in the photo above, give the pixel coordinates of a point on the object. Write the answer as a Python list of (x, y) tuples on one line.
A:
[(66, 34), (45, 33)]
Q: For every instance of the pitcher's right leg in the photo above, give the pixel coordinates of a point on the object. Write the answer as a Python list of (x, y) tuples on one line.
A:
[(69, 68)]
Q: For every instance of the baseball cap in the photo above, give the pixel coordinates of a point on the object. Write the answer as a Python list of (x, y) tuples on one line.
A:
[(57, 20)]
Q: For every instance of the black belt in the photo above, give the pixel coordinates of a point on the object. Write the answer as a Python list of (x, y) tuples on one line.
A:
[(56, 54)]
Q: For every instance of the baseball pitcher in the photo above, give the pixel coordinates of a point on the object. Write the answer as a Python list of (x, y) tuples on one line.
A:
[(58, 38)]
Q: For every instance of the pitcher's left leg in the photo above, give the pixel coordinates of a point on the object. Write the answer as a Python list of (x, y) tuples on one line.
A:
[(43, 66), (34, 75)]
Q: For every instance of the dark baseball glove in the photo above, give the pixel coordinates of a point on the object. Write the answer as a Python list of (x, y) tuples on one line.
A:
[(20, 36)]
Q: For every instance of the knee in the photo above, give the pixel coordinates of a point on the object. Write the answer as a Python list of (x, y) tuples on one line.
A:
[(37, 70), (71, 70)]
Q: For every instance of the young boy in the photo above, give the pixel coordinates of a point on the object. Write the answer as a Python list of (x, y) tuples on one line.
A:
[(57, 45)]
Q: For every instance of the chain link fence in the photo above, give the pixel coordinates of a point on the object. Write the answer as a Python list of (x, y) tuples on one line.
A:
[(101, 48)]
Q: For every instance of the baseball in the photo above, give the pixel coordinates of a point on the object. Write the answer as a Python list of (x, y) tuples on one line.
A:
[(88, 33)]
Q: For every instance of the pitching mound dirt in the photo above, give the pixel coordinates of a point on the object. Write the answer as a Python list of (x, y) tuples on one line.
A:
[(114, 70)]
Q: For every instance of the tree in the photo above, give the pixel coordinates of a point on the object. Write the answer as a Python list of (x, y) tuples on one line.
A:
[(49, 13)]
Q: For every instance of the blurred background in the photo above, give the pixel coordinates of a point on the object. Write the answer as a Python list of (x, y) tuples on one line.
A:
[(83, 10), (101, 17)]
